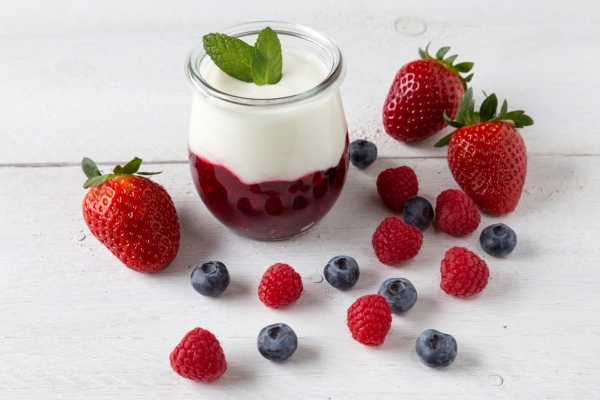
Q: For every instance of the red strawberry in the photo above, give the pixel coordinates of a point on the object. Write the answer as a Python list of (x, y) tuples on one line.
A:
[(131, 215), (420, 94), (487, 155)]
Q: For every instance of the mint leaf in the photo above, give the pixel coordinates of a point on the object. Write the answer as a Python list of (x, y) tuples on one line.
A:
[(230, 54), (267, 62)]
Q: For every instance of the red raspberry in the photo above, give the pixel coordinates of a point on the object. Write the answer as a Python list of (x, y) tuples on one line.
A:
[(395, 241), (280, 285), (199, 357), (463, 273), (370, 319), (455, 213), (396, 185)]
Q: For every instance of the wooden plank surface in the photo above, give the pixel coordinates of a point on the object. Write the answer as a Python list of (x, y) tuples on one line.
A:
[(76, 323), (104, 79)]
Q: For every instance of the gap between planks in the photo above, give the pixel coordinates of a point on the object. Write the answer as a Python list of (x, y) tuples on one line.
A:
[(158, 162)]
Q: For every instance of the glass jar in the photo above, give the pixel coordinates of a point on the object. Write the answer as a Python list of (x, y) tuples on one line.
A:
[(270, 168)]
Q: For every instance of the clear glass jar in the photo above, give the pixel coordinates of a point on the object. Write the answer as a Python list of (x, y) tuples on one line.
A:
[(270, 168)]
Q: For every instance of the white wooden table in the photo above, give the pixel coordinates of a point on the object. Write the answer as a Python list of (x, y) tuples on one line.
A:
[(104, 79)]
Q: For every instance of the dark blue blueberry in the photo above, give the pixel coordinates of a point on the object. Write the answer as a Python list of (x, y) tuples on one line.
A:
[(362, 153), (277, 342), (400, 294), (498, 240), (342, 272), (210, 278), (418, 212), (436, 349)]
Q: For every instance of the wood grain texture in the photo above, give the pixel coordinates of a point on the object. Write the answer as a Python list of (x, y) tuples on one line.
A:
[(104, 79), (78, 324)]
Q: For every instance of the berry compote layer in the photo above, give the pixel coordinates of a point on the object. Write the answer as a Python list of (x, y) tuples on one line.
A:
[(270, 209)]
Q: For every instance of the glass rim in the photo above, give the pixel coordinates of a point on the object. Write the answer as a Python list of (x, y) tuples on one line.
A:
[(331, 82)]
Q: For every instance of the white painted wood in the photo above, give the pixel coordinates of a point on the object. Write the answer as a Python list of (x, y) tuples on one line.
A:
[(104, 78), (77, 324)]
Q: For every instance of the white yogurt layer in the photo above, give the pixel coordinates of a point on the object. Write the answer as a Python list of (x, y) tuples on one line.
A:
[(260, 145)]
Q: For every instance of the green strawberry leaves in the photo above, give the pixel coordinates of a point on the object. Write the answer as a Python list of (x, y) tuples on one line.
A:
[(261, 64), (458, 69), (467, 116), (95, 178), (89, 168)]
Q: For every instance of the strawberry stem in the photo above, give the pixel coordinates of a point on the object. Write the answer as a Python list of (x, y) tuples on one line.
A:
[(458, 69), (95, 178), (467, 116)]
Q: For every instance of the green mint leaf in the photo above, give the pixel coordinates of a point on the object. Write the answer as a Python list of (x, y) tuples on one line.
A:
[(96, 181), (488, 108), (230, 54), (267, 61), (132, 166), (89, 168)]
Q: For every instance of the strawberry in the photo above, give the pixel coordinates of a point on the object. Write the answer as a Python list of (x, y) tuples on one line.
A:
[(486, 153), (131, 215), (420, 94)]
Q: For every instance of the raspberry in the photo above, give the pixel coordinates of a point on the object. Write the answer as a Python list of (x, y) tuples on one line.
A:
[(280, 285), (463, 273), (199, 357), (395, 241), (456, 214), (370, 319), (396, 185)]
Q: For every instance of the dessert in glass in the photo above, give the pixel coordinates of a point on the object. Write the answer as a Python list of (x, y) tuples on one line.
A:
[(270, 161)]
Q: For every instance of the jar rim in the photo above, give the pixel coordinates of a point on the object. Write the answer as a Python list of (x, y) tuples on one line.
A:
[(330, 83)]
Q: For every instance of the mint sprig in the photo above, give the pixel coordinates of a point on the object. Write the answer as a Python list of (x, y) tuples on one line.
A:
[(261, 63), (230, 54), (266, 62)]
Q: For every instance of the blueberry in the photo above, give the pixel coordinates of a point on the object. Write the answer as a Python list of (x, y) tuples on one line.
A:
[(400, 294), (498, 240), (362, 153), (277, 342), (342, 272), (210, 278), (436, 349), (418, 212)]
